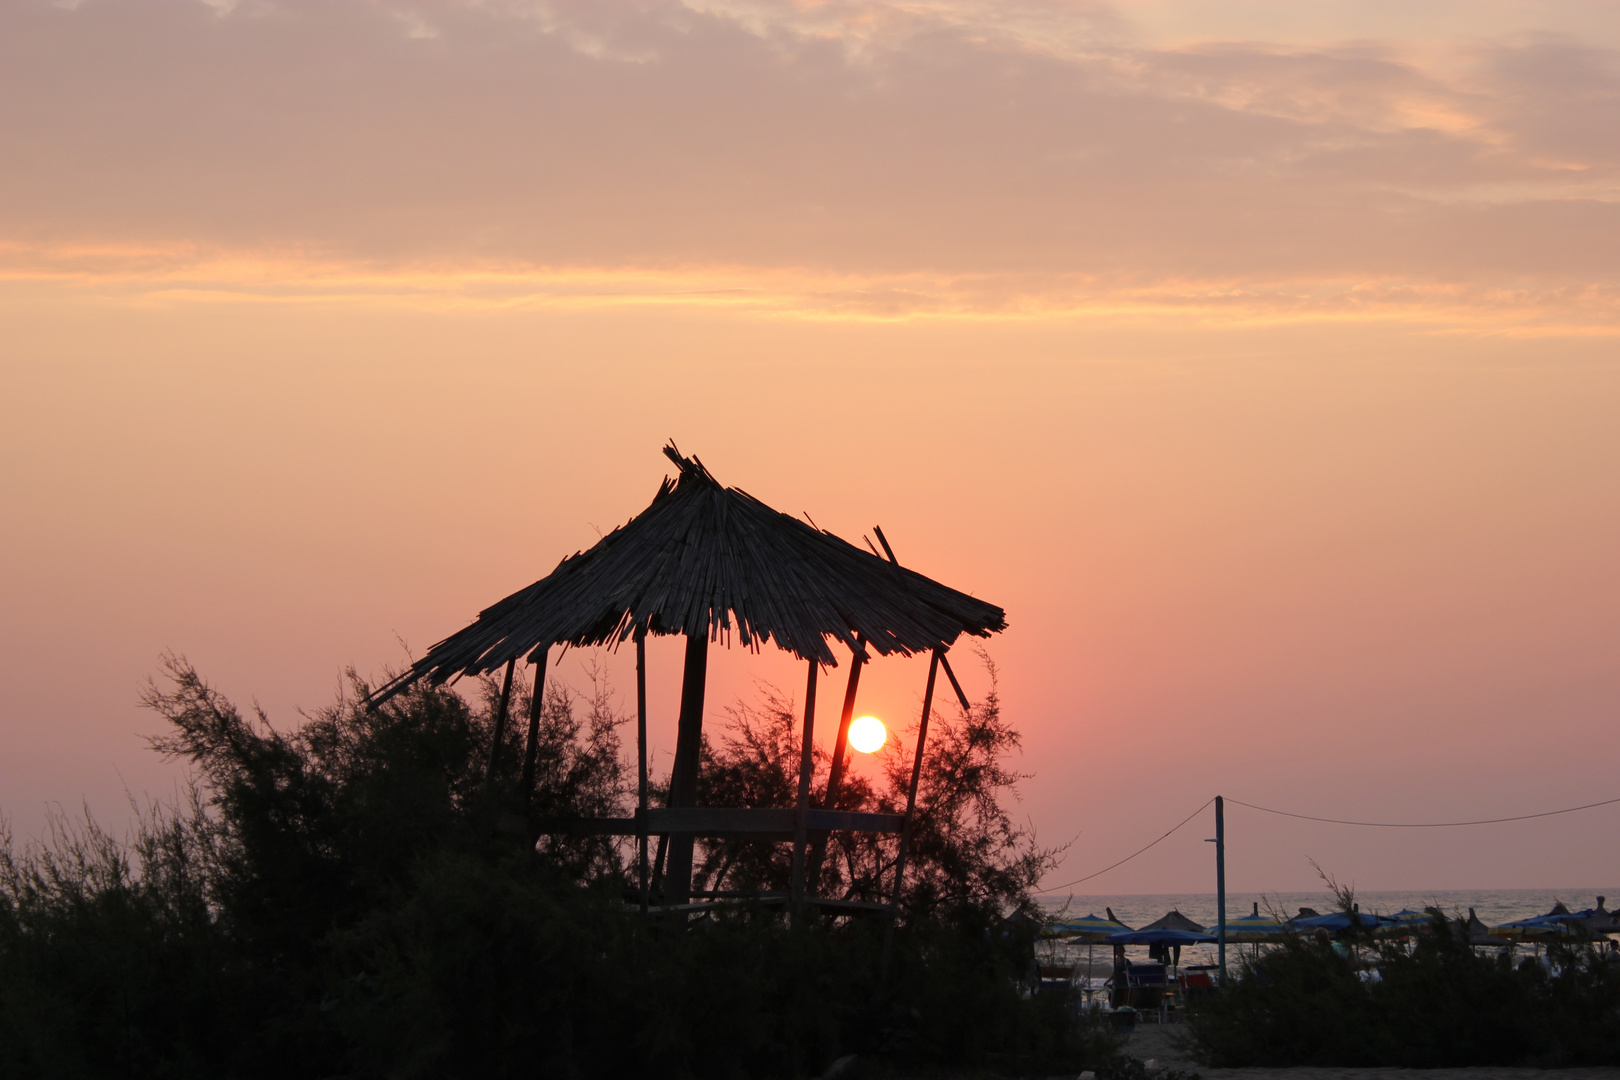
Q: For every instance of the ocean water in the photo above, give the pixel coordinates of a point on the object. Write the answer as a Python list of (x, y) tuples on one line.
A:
[(1493, 907)]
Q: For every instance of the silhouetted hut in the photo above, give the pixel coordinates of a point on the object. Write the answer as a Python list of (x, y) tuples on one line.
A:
[(707, 562)]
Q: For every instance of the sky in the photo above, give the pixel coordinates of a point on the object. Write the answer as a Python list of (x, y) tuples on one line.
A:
[(1259, 358)]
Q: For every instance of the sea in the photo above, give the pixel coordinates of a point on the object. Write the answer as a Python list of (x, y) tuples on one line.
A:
[(1493, 907)]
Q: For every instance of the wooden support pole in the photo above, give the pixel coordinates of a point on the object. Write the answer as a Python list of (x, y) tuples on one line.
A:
[(944, 662), (683, 779), (835, 772), (531, 749), (641, 760), (911, 799), (801, 819), (658, 865), (500, 720)]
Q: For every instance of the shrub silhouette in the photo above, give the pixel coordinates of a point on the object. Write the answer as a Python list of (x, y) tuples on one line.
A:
[(1437, 1004), (351, 898)]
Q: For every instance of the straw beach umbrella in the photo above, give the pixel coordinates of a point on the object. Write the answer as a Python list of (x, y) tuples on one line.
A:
[(1480, 934), (1175, 920)]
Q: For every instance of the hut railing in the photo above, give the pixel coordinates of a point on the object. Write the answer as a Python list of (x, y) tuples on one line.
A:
[(722, 821)]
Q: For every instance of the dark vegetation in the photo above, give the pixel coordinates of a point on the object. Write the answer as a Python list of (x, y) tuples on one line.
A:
[(351, 898), (1434, 1003)]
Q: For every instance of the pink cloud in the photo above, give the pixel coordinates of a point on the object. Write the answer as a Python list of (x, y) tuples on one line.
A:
[(847, 139)]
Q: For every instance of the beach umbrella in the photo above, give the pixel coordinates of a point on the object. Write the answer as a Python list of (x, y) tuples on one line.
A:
[(1539, 927), (1161, 936), (1406, 921), (1089, 928), (1335, 921), (1599, 922), (1174, 920), (1559, 922), (1479, 933), (1253, 927)]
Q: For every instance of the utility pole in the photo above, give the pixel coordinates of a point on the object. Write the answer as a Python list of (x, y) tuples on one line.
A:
[(1220, 884)]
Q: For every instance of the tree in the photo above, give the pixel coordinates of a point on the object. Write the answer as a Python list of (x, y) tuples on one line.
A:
[(969, 861)]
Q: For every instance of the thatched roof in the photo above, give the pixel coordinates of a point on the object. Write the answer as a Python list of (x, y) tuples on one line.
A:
[(698, 558), (1480, 934), (1175, 920)]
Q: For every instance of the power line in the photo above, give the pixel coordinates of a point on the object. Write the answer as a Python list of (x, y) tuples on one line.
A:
[(1421, 824), (1334, 821), (1129, 857)]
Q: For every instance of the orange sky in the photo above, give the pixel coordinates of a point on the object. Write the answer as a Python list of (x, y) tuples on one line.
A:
[(1261, 364)]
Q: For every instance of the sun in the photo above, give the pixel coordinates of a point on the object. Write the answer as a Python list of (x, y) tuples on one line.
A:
[(868, 734)]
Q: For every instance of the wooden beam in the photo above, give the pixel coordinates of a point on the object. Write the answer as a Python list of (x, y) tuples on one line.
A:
[(856, 821), (723, 821), (718, 820), (876, 908), (706, 905), (887, 550), (641, 759), (531, 748), (911, 793), (944, 662), (500, 720), (807, 766), (583, 826), (683, 779), (835, 772), (657, 887)]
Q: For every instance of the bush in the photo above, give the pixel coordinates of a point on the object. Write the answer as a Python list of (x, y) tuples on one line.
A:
[(969, 863), (352, 898), (1440, 1004)]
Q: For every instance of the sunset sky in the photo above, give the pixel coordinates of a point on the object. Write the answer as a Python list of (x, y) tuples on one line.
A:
[(1261, 359)]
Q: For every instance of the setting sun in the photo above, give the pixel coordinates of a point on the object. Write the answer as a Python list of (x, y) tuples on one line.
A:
[(868, 734)]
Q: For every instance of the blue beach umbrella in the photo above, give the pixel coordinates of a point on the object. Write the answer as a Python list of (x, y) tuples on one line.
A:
[(1164, 936), (1089, 928), (1254, 927), (1407, 921), (1541, 926), (1338, 920)]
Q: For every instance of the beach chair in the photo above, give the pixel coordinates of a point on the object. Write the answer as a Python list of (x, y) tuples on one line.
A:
[(1056, 975), (1196, 981), (1143, 990)]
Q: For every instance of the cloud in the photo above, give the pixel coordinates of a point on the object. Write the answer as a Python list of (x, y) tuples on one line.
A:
[(1031, 149)]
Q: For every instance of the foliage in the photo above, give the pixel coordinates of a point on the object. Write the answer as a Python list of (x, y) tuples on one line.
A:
[(354, 898), (968, 862), (1439, 1004)]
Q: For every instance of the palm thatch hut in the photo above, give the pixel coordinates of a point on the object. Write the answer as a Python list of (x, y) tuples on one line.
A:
[(709, 562)]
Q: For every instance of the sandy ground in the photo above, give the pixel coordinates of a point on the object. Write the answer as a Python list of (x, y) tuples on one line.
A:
[(1163, 1045)]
